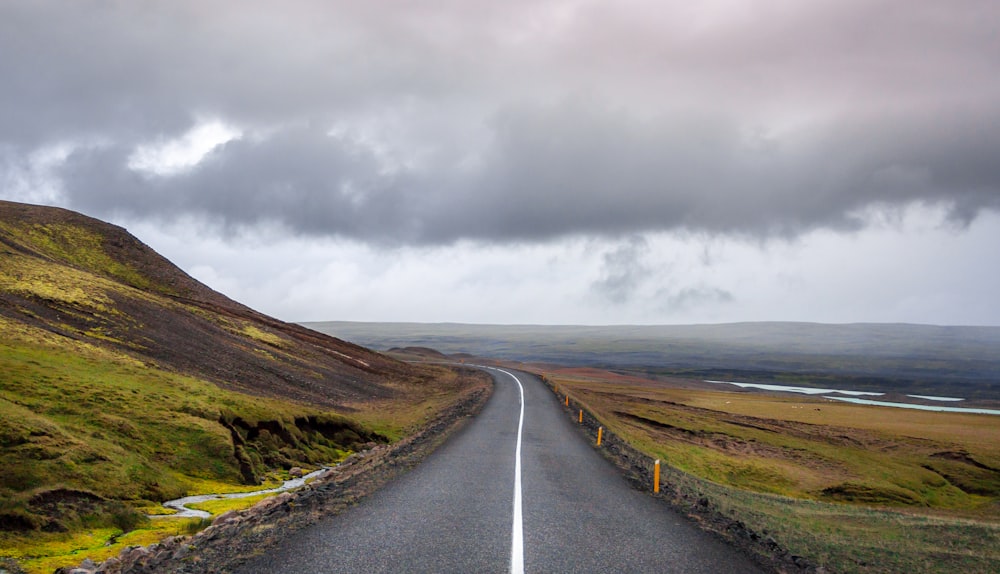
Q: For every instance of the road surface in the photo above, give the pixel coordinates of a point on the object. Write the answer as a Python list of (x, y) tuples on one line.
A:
[(458, 510)]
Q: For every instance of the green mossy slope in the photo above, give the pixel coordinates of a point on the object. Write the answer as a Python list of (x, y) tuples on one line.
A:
[(125, 381)]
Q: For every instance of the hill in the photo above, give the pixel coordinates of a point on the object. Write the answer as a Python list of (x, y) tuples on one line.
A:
[(124, 381)]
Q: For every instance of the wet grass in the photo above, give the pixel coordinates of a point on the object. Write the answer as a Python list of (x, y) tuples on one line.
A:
[(44, 552), (223, 505)]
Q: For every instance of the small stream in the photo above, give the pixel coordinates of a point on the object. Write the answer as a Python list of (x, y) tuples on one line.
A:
[(180, 504)]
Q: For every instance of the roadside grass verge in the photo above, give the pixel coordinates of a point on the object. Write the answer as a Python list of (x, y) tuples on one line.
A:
[(848, 487), (846, 538), (416, 404)]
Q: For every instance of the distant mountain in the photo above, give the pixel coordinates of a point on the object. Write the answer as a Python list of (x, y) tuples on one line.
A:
[(123, 377), (920, 359)]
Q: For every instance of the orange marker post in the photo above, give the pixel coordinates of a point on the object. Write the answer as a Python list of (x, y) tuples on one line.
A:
[(567, 400), (581, 416), (656, 476), (600, 431)]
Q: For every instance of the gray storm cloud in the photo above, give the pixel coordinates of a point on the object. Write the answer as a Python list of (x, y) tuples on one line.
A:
[(432, 123)]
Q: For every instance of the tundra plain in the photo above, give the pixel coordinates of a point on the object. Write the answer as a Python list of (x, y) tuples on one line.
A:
[(852, 488)]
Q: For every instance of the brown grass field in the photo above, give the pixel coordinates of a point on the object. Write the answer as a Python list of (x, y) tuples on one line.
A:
[(849, 487)]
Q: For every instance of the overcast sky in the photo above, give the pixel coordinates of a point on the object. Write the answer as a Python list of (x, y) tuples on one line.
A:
[(528, 161)]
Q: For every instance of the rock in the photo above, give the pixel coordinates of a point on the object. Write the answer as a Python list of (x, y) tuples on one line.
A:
[(108, 565), (269, 503), (181, 552), (171, 542), (9, 566), (135, 554), (295, 472), (226, 518)]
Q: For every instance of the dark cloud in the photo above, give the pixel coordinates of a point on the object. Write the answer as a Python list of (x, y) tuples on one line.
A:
[(299, 178), (513, 121)]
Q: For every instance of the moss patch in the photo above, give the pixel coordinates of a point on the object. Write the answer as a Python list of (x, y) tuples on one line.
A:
[(141, 434)]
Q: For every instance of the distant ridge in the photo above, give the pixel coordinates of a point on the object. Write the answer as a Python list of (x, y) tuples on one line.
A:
[(918, 359)]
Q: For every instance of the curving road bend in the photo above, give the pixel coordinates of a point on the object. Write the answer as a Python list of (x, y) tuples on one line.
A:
[(457, 511)]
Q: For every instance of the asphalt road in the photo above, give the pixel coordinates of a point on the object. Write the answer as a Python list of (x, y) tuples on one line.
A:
[(456, 511)]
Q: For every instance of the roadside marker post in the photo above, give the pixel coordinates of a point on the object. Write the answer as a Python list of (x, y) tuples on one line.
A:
[(581, 416), (656, 476), (567, 400), (600, 431)]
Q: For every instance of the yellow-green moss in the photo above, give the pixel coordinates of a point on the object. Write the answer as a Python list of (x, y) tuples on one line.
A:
[(76, 246), (262, 336)]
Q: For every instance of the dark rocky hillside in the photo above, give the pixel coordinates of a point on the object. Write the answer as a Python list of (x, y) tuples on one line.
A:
[(139, 303)]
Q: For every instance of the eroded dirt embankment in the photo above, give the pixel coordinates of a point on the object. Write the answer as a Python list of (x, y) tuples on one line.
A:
[(235, 536)]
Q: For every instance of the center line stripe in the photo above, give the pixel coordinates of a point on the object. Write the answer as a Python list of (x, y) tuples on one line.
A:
[(517, 534)]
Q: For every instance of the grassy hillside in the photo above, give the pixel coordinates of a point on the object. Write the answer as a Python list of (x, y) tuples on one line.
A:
[(124, 382), (808, 447), (854, 488)]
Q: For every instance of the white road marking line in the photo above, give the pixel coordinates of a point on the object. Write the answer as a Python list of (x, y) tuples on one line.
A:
[(517, 534)]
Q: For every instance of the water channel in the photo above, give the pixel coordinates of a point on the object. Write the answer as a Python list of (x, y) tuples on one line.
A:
[(853, 397), (180, 504)]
